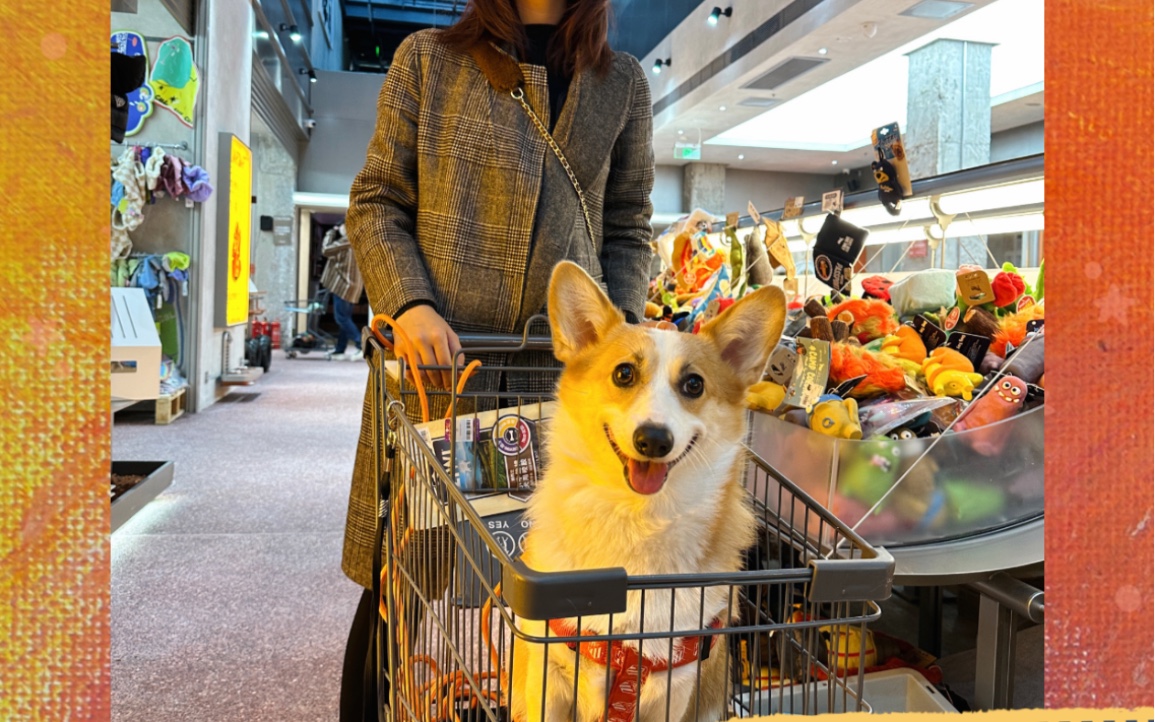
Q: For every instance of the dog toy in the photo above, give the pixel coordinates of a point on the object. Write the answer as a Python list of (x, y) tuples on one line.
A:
[(1027, 360), (877, 287), (906, 344), (978, 321), (883, 373), (783, 359), (765, 396), (1013, 328), (1008, 287), (868, 471), (951, 382), (1000, 402), (922, 292), (944, 359), (871, 318), (836, 417), (969, 503), (889, 191)]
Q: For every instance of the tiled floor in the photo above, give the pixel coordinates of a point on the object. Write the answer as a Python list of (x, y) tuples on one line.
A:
[(228, 601)]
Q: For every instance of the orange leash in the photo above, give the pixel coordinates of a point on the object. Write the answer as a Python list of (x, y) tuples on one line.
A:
[(440, 694), (411, 361)]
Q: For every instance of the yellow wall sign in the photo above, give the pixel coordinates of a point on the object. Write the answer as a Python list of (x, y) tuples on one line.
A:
[(234, 224)]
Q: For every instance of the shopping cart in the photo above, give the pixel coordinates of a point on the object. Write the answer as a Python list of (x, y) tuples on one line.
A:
[(312, 339), (452, 589)]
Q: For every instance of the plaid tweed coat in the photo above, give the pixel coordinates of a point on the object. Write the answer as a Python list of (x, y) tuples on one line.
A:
[(461, 203)]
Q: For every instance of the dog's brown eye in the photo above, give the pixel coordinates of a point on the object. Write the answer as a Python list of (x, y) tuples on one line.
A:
[(693, 386), (624, 375)]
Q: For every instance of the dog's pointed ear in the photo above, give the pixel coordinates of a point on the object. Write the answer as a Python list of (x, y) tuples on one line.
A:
[(747, 332), (579, 312)]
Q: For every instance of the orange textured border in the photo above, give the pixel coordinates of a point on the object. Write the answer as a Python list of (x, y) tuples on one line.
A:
[(54, 334), (54, 362), (1099, 270)]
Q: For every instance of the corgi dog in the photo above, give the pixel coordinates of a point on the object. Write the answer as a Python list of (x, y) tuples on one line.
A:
[(645, 471)]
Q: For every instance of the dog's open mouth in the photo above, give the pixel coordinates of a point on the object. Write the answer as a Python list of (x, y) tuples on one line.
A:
[(646, 477)]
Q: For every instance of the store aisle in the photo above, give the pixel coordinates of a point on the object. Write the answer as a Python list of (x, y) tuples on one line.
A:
[(228, 601)]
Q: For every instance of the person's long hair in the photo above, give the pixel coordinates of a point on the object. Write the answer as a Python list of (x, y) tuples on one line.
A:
[(580, 43)]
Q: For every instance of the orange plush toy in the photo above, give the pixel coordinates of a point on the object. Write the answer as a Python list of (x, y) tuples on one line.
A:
[(883, 373), (872, 318), (1013, 329), (905, 343)]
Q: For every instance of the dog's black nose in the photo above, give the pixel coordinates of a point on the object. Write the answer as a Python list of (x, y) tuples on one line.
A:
[(653, 441)]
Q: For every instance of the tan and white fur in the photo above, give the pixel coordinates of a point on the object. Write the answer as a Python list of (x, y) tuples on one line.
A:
[(587, 514)]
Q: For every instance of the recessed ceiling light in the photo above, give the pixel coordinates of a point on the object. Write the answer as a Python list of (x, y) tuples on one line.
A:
[(680, 131), (833, 162), (740, 156), (722, 108), (822, 51), (936, 9)]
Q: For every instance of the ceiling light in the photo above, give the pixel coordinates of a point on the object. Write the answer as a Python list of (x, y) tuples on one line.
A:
[(936, 9), (833, 162), (722, 108), (741, 157), (822, 51), (659, 63), (311, 73), (680, 131), (294, 33), (718, 12), (1004, 196)]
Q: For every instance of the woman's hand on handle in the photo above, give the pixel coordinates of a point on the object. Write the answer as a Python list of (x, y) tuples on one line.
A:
[(434, 343)]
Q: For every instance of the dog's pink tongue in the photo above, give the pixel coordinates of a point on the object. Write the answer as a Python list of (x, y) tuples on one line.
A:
[(646, 477)]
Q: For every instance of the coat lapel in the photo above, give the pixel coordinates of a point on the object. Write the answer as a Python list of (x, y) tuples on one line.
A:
[(590, 122), (591, 119)]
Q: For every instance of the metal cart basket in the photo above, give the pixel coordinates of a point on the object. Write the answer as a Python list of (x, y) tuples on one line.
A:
[(458, 607), (312, 339)]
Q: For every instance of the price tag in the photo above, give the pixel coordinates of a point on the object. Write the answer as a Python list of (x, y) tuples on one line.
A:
[(757, 217), (969, 345), (932, 336), (811, 372), (732, 219), (832, 202), (793, 207), (975, 288)]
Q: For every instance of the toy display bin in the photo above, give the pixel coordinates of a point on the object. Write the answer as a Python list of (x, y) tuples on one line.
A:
[(888, 691), (956, 485)]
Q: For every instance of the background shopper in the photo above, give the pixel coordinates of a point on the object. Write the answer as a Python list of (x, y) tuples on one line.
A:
[(344, 281)]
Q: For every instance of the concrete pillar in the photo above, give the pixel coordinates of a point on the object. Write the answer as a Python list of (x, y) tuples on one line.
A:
[(224, 54), (948, 120), (704, 186), (948, 107)]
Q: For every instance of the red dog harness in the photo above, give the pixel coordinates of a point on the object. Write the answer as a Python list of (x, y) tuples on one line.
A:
[(625, 661)]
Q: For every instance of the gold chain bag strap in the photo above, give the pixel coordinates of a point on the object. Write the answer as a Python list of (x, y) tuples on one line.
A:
[(505, 76)]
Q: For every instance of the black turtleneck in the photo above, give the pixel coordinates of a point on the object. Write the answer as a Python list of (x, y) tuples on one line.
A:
[(539, 37)]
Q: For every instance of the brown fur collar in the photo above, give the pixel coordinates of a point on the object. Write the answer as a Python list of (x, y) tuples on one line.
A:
[(500, 68)]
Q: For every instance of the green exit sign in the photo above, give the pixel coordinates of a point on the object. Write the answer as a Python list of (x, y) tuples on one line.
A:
[(687, 151)]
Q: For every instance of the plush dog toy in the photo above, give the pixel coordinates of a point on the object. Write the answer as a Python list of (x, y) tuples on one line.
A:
[(883, 373), (906, 344), (1002, 401), (872, 318), (765, 396), (836, 417), (949, 373)]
